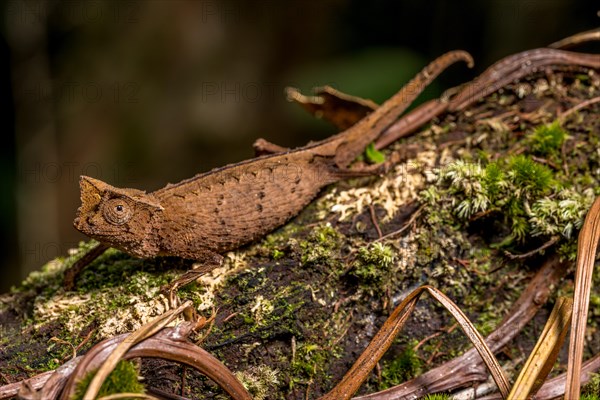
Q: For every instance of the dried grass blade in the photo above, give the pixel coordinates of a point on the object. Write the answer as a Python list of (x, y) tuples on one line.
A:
[(586, 255), (542, 358), (142, 333), (478, 341), (361, 369), (119, 396), (469, 368)]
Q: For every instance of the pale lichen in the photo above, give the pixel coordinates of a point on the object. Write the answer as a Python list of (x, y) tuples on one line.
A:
[(260, 309), (113, 310), (563, 214), (259, 380), (391, 192), (210, 282)]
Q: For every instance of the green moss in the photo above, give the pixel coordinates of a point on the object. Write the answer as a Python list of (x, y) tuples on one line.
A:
[(276, 244), (308, 362), (591, 391), (562, 214), (523, 196), (590, 397), (488, 320), (123, 379), (529, 176), (259, 380), (373, 263), (404, 367), (320, 246), (276, 254), (546, 140), (437, 396)]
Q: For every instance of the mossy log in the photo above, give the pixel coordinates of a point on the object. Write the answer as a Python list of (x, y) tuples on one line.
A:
[(492, 192)]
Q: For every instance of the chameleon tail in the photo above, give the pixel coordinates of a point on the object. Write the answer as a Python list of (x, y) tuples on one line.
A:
[(356, 138)]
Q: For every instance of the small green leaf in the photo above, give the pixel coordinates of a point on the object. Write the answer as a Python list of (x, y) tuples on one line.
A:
[(373, 155)]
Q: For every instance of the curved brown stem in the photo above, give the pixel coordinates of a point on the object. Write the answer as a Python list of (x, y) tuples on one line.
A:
[(469, 368), (577, 39), (497, 76), (169, 344), (384, 338), (515, 67)]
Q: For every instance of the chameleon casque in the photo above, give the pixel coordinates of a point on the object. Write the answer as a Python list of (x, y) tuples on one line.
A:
[(225, 208)]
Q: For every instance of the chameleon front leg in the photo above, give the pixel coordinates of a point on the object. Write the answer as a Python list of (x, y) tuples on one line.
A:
[(73, 272), (206, 262), (263, 147)]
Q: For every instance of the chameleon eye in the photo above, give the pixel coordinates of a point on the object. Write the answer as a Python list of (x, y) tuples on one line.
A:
[(117, 211)]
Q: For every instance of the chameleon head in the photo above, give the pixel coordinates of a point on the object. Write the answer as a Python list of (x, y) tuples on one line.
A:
[(121, 218)]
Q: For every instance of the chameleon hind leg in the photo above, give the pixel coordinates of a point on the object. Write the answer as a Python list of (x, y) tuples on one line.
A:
[(342, 110)]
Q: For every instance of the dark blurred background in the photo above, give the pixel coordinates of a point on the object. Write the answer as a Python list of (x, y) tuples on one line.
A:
[(141, 93)]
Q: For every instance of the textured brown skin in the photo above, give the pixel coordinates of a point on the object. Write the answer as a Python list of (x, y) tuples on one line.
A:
[(225, 208)]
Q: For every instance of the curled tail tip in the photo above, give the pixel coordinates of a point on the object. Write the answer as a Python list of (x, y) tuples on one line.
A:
[(466, 57), (291, 93)]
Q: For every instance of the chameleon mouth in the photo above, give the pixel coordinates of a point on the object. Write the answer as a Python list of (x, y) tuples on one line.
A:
[(77, 223), (83, 225)]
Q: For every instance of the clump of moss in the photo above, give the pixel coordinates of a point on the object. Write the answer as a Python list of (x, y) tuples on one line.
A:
[(123, 379), (529, 178), (404, 367), (308, 361), (259, 380), (546, 140), (518, 193), (319, 247), (437, 396), (591, 391), (373, 263), (562, 214)]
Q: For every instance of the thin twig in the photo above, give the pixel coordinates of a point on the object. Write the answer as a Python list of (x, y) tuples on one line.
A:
[(549, 243), (405, 227), (562, 117), (576, 39), (374, 219), (85, 340)]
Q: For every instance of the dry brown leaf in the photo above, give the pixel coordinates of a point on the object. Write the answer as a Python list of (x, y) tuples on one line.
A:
[(586, 256), (544, 354)]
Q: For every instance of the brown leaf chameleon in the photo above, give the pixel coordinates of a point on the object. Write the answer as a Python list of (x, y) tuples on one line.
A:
[(223, 209)]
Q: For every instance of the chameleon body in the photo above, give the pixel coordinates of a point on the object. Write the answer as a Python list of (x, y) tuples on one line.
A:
[(222, 209)]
